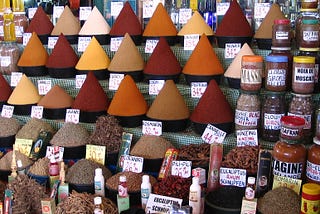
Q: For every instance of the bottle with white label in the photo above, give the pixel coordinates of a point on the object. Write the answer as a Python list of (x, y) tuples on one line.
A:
[(250, 188), (145, 190), (195, 196), (99, 182)]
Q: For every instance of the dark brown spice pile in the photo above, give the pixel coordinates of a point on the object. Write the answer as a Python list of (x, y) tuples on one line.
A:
[(199, 154)]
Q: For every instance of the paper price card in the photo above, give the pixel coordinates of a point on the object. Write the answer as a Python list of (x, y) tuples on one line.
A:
[(213, 135), (80, 80), (190, 41), (181, 168), (57, 11), (152, 127), (84, 13), (31, 12), (115, 43), (222, 8), (72, 116), (197, 89), (15, 78), (5, 61), (247, 137), (44, 86), (114, 81), (184, 15), (150, 45), (161, 204), (148, 7), (56, 151), (231, 50), (23, 146), (132, 164), (25, 38), (233, 177), (248, 206), (37, 112), (155, 86), (261, 10), (292, 183), (7, 111), (116, 7), (96, 153), (83, 43), (52, 40)]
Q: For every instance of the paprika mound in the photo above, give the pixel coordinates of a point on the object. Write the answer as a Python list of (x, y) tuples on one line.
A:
[(196, 25), (5, 89), (40, 23), (56, 98), (95, 24), (67, 24)]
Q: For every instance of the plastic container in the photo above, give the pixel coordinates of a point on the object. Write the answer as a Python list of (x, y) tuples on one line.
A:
[(305, 13), (250, 188), (122, 187), (313, 163), (145, 190), (99, 182), (309, 4), (309, 34), (303, 74), (310, 199), (195, 195), (281, 33), (291, 128), (276, 73), (21, 23), (251, 72)]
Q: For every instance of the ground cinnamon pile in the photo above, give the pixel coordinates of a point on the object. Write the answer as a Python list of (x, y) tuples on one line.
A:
[(40, 23), (56, 98), (67, 24), (196, 25)]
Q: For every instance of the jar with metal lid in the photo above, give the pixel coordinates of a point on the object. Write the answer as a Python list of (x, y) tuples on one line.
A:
[(281, 33), (273, 108), (301, 105), (313, 162), (276, 73), (303, 74), (247, 113), (251, 72), (309, 34), (309, 4), (21, 24)]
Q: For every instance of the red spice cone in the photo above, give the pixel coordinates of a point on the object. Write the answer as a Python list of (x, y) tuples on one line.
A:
[(5, 89)]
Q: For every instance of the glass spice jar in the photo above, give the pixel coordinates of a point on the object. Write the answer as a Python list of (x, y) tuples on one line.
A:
[(303, 74), (247, 113), (9, 57), (273, 108), (313, 162), (292, 128), (251, 72), (281, 33), (309, 4), (21, 24), (301, 105), (309, 34), (276, 73)]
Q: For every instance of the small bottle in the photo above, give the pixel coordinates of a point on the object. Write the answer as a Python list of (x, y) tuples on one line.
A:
[(98, 209), (145, 190), (250, 189), (20, 169), (53, 167), (99, 182), (195, 196), (122, 187)]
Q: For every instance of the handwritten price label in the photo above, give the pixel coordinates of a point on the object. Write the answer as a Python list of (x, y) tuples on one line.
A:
[(114, 81), (23, 146), (148, 7), (80, 80), (25, 38), (181, 168), (5, 61), (96, 153), (152, 127), (116, 7), (132, 164), (213, 135), (83, 43), (37, 112), (115, 43), (15, 78), (231, 50), (44, 86), (233, 177), (150, 45), (197, 89), (190, 41), (155, 86), (247, 137), (57, 11), (261, 10), (84, 13), (52, 41), (7, 111), (31, 12), (184, 15), (72, 116), (222, 8), (56, 152)]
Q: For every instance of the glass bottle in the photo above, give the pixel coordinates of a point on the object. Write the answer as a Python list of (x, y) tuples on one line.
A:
[(208, 14), (174, 13), (281, 33), (303, 70), (309, 33), (250, 188), (313, 162)]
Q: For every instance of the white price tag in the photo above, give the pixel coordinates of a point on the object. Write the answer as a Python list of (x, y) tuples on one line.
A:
[(72, 116), (261, 10), (25, 39), (132, 164), (56, 151), (233, 177), (57, 10), (155, 86), (247, 137), (190, 41), (181, 168), (83, 43), (37, 112), (44, 86), (84, 13), (19, 31), (222, 8), (231, 50), (31, 12), (184, 15), (5, 61), (151, 127), (114, 81), (197, 89), (15, 78), (115, 43), (7, 111), (116, 8), (148, 7), (52, 40), (150, 45), (80, 80), (160, 202), (213, 135)]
